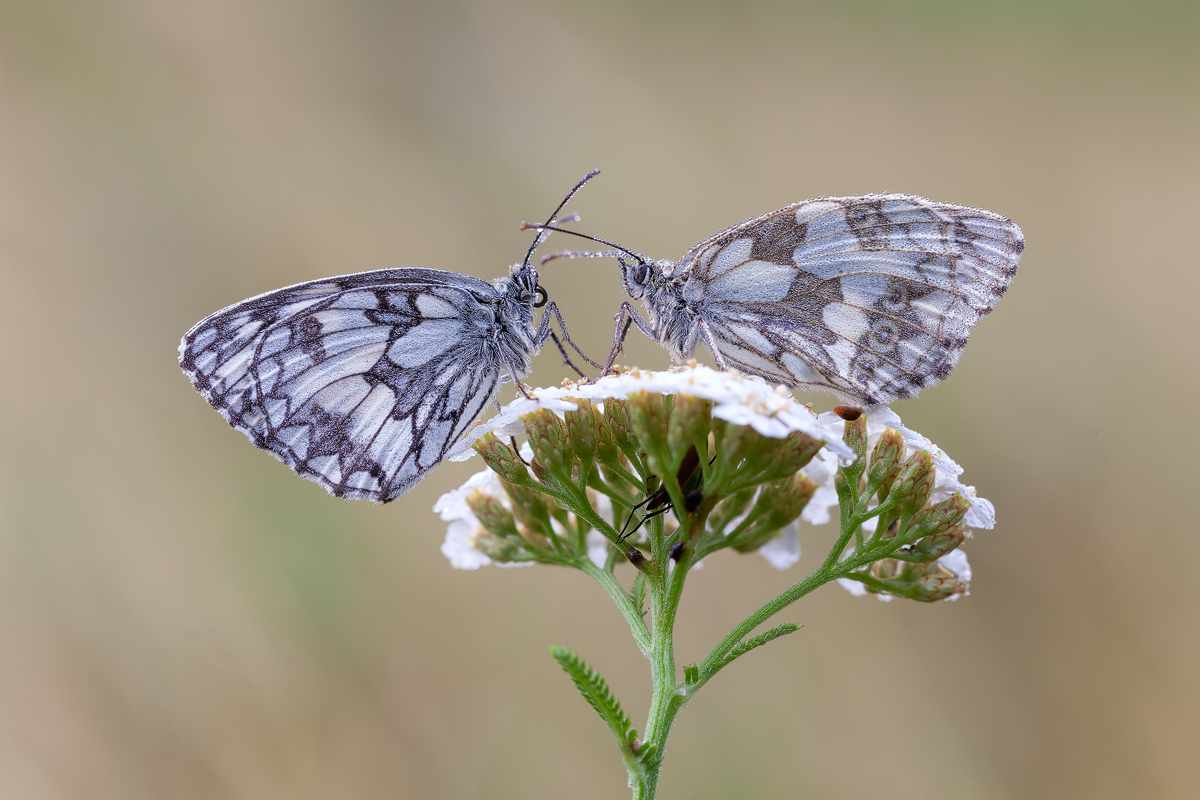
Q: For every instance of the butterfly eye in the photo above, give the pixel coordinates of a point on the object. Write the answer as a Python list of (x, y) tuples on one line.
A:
[(639, 274)]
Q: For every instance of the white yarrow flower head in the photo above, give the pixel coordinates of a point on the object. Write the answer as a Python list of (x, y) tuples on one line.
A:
[(695, 460), (465, 533), (736, 398), (931, 567)]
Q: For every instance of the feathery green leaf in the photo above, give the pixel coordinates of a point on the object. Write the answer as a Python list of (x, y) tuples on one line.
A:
[(596, 692), (761, 639), (637, 593)]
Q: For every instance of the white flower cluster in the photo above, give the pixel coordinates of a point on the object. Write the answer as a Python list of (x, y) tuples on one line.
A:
[(982, 513), (464, 526), (459, 545), (740, 400)]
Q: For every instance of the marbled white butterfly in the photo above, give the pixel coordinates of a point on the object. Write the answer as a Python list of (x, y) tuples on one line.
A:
[(869, 298), (363, 382)]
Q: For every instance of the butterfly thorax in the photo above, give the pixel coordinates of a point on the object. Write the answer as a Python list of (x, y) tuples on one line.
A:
[(668, 310), (514, 330)]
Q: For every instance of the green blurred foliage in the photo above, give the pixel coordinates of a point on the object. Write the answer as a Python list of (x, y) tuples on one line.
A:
[(182, 617)]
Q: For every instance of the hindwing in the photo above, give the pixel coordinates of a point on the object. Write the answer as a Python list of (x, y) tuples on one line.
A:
[(361, 382), (871, 298)]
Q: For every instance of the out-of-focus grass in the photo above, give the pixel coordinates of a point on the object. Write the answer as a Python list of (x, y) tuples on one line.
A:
[(182, 617)]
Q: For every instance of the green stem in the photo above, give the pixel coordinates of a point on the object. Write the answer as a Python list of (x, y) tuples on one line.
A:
[(716, 659), (608, 582)]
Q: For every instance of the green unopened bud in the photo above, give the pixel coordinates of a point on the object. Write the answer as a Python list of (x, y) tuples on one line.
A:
[(529, 506), (914, 483), (616, 416), (533, 538), (495, 548), (931, 548), (650, 417), (547, 438), (690, 420), (746, 451), (885, 461), (781, 502), (791, 455), (940, 517), (492, 514), (855, 436), (583, 426), (938, 583), (924, 582), (501, 458), (729, 509)]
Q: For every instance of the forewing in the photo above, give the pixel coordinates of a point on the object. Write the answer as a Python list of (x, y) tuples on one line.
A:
[(360, 383), (871, 298)]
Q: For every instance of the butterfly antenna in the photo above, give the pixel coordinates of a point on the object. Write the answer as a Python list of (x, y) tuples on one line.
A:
[(544, 228), (549, 227)]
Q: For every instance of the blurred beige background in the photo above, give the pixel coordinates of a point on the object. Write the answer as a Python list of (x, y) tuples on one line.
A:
[(181, 617)]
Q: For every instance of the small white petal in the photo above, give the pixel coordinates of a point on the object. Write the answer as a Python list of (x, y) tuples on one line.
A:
[(821, 471), (853, 587), (459, 546), (956, 562), (784, 550)]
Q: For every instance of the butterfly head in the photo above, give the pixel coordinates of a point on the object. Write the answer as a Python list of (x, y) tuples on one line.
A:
[(523, 283), (641, 276)]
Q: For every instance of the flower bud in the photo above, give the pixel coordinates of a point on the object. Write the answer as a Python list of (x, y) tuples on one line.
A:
[(914, 483), (728, 510), (782, 501), (791, 455), (649, 416), (501, 458), (533, 538), (885, 462), (931, 548), (547, 438), (495, 548), (940, 517), (938, 583), (855, 435), (492, 514), (745, 451), (924, 582), (529, 506), (616, 415), (689, 423), (583, 426)]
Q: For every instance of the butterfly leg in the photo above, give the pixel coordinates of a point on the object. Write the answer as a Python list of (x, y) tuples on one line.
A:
[(545, 332), (700, 329), (552, 308), (622, 330)]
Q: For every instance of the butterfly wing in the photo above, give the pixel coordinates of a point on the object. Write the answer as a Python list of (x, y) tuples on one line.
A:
[(871, 298), (361, 382)]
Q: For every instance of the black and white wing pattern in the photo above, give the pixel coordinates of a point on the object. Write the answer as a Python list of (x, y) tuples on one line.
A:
[(361, 382), (871, 298)]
